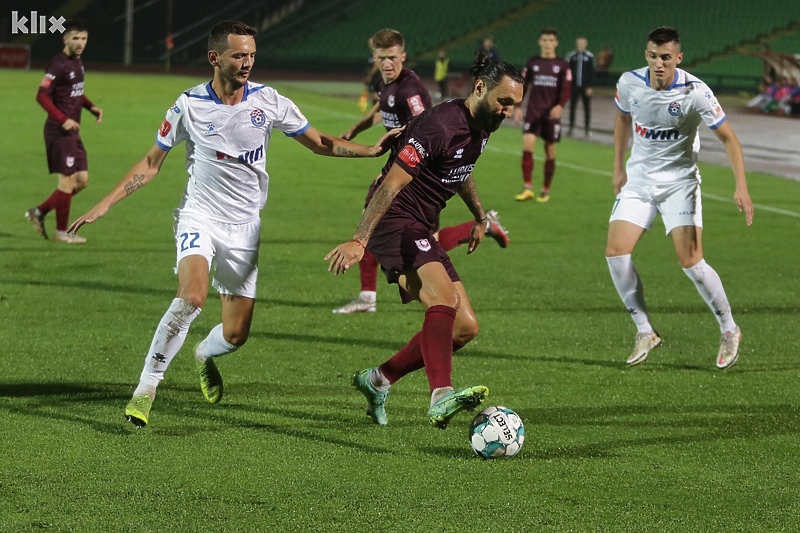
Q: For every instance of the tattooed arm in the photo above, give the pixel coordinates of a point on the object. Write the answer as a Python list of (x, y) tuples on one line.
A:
[(138, 175), (324, 144), (349, 253), (469, 194)]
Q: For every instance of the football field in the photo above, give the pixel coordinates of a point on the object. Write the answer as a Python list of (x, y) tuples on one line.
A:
[(671, 445)]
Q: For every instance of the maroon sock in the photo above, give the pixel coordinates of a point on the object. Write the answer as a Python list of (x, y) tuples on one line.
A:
[(49, 204), (549, 172), (436, 342), (452, 236), (407, 360), (368, 270), (63, 201), (527, 168)]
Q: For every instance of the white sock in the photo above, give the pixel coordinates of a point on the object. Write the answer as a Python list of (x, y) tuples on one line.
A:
[(368, 296), (630, 290), (379, 380), (214, 345), (168, 339), (710, 288), (438, 393)]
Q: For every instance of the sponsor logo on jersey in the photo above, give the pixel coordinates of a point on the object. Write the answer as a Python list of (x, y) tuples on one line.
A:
[(175, 109), (656, 135), (715, 107), (72, 75), (47, 81), (258, 118), (249, 157), (423, 244), (483, 144), (165, 128), (211, 129), (390, 120), (409, 156), (415, 105), (674, 109), (77, 90), (459, 153), (458, 174)]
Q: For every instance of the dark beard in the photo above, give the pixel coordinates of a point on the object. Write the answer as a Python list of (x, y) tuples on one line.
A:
[(487, 120)]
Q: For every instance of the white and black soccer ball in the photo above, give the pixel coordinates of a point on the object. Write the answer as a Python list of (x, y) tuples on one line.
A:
[(496, 432)]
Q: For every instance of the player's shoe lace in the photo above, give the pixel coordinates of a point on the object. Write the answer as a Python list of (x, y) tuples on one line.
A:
[(356, 306), (495, 230), (455, 401), (68, 238), (376, 399), (210, 379), (526, 194), (138, 410), (642, 346), (729, 348), (36, 218)]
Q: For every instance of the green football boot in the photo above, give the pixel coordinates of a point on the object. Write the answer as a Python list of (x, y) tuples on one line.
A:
[(451, 403), (138, 410), (210, 379), (376, 400)]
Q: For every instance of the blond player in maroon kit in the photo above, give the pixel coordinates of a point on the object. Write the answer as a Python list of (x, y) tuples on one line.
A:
[(402, 96), (548, 83), (61, 95), (431, 163)]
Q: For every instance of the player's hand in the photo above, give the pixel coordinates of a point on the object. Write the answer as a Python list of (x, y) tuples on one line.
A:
[(348, 135), (98, 113), (71, 125), (476, 236), (745, 205), (344, 256), (517, 114), (93, 214), (589, 92), (555, 112), (618, 180), (386, 142)]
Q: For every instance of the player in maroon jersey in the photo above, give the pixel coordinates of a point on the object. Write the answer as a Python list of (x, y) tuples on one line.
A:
[(61, 95), (548, 83), (402, 96), (432, 162)]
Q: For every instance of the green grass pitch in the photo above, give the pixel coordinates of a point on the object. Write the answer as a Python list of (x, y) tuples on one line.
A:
[(672, 445)]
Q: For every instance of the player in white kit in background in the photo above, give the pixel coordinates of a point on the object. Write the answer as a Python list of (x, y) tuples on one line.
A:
[(662, 107), (227, 125)]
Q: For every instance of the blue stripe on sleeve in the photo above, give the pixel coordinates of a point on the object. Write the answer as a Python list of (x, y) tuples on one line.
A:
[(162, 145), (298, 132)]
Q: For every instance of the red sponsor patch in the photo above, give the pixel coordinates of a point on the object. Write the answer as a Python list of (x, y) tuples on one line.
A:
[(165, 128), (409, 156), (415, 105), (46, 81)]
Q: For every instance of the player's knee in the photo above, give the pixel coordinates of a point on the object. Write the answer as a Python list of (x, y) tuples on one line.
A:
[(237, 337), (466, 330), (80, 184)]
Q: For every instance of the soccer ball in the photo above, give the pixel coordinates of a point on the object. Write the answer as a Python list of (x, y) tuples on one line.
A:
[(496, 432)]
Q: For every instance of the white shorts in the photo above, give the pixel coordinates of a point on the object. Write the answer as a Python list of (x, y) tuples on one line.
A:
[(679, 204), (230, 249)]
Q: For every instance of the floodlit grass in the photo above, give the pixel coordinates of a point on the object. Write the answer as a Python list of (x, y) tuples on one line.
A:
[(672, 445)]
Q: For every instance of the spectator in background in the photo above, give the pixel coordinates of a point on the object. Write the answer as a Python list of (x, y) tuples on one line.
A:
[(768, 72), (488, 48), (440, 69), (604, 58), (582, 64), (61, 95)]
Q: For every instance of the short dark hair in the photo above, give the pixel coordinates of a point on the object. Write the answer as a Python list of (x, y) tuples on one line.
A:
[(387, 38), (493, 72), (664, 35), (549, 31), (75, 25), (218, 37)]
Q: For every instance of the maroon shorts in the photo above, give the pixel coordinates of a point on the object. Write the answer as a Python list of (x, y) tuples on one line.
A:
[(403, 245), (541, 126), (65, 153)]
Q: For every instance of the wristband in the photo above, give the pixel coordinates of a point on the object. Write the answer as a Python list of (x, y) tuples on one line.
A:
[(359, 243)]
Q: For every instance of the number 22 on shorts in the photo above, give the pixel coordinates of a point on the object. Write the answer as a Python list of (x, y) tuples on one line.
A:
[(189, 240)]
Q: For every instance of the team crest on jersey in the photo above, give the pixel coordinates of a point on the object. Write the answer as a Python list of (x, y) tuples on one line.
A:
[(556, 69), (72, 75), (390, 101), (423, 244), (674, 109), (70, 161), (258, 118)]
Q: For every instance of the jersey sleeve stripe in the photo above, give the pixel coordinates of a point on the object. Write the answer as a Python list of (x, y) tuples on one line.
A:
[(298, 132), (162, 145), (718, 124)]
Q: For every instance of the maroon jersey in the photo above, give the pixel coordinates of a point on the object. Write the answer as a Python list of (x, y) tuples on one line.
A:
[(439, 150), (403, 99), (63, 85), (547, 83)]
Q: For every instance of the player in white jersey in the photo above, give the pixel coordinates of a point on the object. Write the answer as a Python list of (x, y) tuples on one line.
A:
[(226, 125), (662, 107)]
